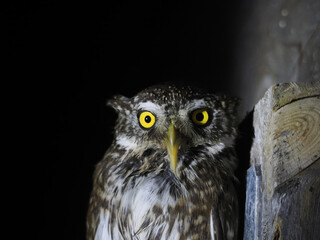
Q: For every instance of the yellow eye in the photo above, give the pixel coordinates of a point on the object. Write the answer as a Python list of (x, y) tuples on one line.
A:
[(200, 117), (147, 119)]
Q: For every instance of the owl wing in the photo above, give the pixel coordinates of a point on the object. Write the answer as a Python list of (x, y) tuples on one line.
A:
[(224, 219), (98, 216), (104, 218)]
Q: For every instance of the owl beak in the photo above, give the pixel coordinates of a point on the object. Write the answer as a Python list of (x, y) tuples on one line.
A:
[(172, 146)]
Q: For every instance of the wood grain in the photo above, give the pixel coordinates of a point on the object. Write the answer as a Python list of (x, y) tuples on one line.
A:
[(294, 139), (286, 149)]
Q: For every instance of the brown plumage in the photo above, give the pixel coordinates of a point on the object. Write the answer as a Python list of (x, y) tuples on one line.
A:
[(169, 171)]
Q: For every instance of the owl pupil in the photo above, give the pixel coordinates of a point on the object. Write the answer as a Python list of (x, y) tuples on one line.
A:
[(199, 117), (147, 119)]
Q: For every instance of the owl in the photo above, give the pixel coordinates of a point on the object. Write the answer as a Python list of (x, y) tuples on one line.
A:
[(169, 173)]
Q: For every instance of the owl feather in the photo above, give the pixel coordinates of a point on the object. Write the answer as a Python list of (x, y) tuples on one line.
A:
[(169, 173)]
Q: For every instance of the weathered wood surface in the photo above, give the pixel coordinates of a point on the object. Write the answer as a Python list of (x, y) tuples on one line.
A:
[(283, 184)]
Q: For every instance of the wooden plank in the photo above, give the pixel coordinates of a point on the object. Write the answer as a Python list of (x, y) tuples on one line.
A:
[(287, 148), (296, 206), (293, 141)]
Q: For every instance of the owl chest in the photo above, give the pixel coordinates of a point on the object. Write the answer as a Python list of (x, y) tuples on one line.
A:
[(146, 201), (151, 209)]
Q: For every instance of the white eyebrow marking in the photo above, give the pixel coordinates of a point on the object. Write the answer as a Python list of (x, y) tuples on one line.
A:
[(194, 104), (150, 106)]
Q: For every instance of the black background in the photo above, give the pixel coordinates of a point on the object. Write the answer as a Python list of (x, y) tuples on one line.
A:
[(65, 58)]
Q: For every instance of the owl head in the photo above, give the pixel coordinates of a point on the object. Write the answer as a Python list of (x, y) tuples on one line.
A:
[(175, 119)]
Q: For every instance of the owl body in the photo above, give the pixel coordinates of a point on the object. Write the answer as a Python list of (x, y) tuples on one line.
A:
[(169, 171)]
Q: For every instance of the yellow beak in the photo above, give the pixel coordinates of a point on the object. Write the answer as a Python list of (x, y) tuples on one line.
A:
[(172, 147)]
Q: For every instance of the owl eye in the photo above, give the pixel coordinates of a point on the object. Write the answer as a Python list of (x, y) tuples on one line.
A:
[(200, 117), (146, 119)]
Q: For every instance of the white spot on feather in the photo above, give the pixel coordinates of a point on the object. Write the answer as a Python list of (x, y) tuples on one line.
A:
[(175, 233), (230, 232), (216, 148), (212, 231), (103, 231), (126, 142), (225, 143)]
